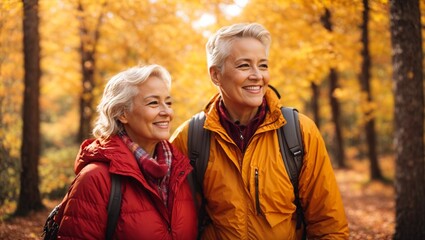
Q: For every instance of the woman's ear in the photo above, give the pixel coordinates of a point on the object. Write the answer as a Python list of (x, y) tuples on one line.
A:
[(214, 73), (123, 118)]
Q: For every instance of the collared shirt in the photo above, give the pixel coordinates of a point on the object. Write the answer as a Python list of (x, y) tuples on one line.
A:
[(239, 133)]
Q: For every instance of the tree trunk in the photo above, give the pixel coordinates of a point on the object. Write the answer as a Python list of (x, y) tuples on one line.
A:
[(375, 170), (88, 44), (338, 152), (86, 99), (29, 198), (315, 103), (406, 40)]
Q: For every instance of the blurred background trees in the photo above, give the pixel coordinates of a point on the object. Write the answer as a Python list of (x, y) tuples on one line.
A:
[(330, 59)]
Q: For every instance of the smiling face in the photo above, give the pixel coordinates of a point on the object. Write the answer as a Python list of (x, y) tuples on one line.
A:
[(243, 78), (148, 121)]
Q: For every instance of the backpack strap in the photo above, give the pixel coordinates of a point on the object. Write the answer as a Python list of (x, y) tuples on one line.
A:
[(51, 227), (114, 205), (198, 148), (291, 147), (198, 145)]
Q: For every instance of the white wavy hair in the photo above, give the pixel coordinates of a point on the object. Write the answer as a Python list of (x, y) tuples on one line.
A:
[(118, 96)]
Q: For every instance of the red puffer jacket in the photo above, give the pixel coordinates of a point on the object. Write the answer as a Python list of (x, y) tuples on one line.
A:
[(143, 214)]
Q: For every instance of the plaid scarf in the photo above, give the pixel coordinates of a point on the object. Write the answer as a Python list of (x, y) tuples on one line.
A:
[(156, 171)]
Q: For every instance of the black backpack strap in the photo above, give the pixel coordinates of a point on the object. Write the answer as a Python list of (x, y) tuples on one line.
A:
[(291, 147), (198, 147), (114, 205)]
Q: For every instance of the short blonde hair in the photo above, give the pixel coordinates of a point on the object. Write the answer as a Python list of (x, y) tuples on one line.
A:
[(118, 96), (219, 44)]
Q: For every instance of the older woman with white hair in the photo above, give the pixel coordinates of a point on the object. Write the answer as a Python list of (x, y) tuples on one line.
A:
[(247, 191), (131, 135)]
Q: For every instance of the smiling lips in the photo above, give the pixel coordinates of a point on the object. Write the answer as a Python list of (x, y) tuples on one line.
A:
[(253, 89), (163, 124)]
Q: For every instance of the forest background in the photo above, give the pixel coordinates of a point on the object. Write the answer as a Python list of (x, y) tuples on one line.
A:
[(317, 59)]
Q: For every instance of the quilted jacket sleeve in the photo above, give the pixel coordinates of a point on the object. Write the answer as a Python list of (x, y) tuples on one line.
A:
[(85, 212)]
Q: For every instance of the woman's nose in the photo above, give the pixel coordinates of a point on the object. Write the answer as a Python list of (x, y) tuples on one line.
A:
[(166, 110), (255, 74)]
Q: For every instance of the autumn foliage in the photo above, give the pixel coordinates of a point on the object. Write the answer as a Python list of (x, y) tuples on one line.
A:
[(121, 34)]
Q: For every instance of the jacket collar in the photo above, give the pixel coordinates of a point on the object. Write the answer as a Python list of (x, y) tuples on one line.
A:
[(273, 120), (121, 160)]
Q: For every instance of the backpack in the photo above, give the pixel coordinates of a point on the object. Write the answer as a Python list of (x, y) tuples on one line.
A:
[(290, 144), (50, 229)]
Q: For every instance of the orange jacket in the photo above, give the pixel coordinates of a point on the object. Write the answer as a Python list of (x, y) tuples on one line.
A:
[(232, 180)]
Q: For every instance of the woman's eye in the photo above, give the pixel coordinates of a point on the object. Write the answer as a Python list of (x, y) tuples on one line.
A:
[(169, 103), (264, 66), (245, 65), (153, 103)]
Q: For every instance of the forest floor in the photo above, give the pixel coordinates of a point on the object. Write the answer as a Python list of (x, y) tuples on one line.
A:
[(369, 206)]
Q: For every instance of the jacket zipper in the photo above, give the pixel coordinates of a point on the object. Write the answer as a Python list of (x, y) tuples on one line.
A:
[(257, 193)]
